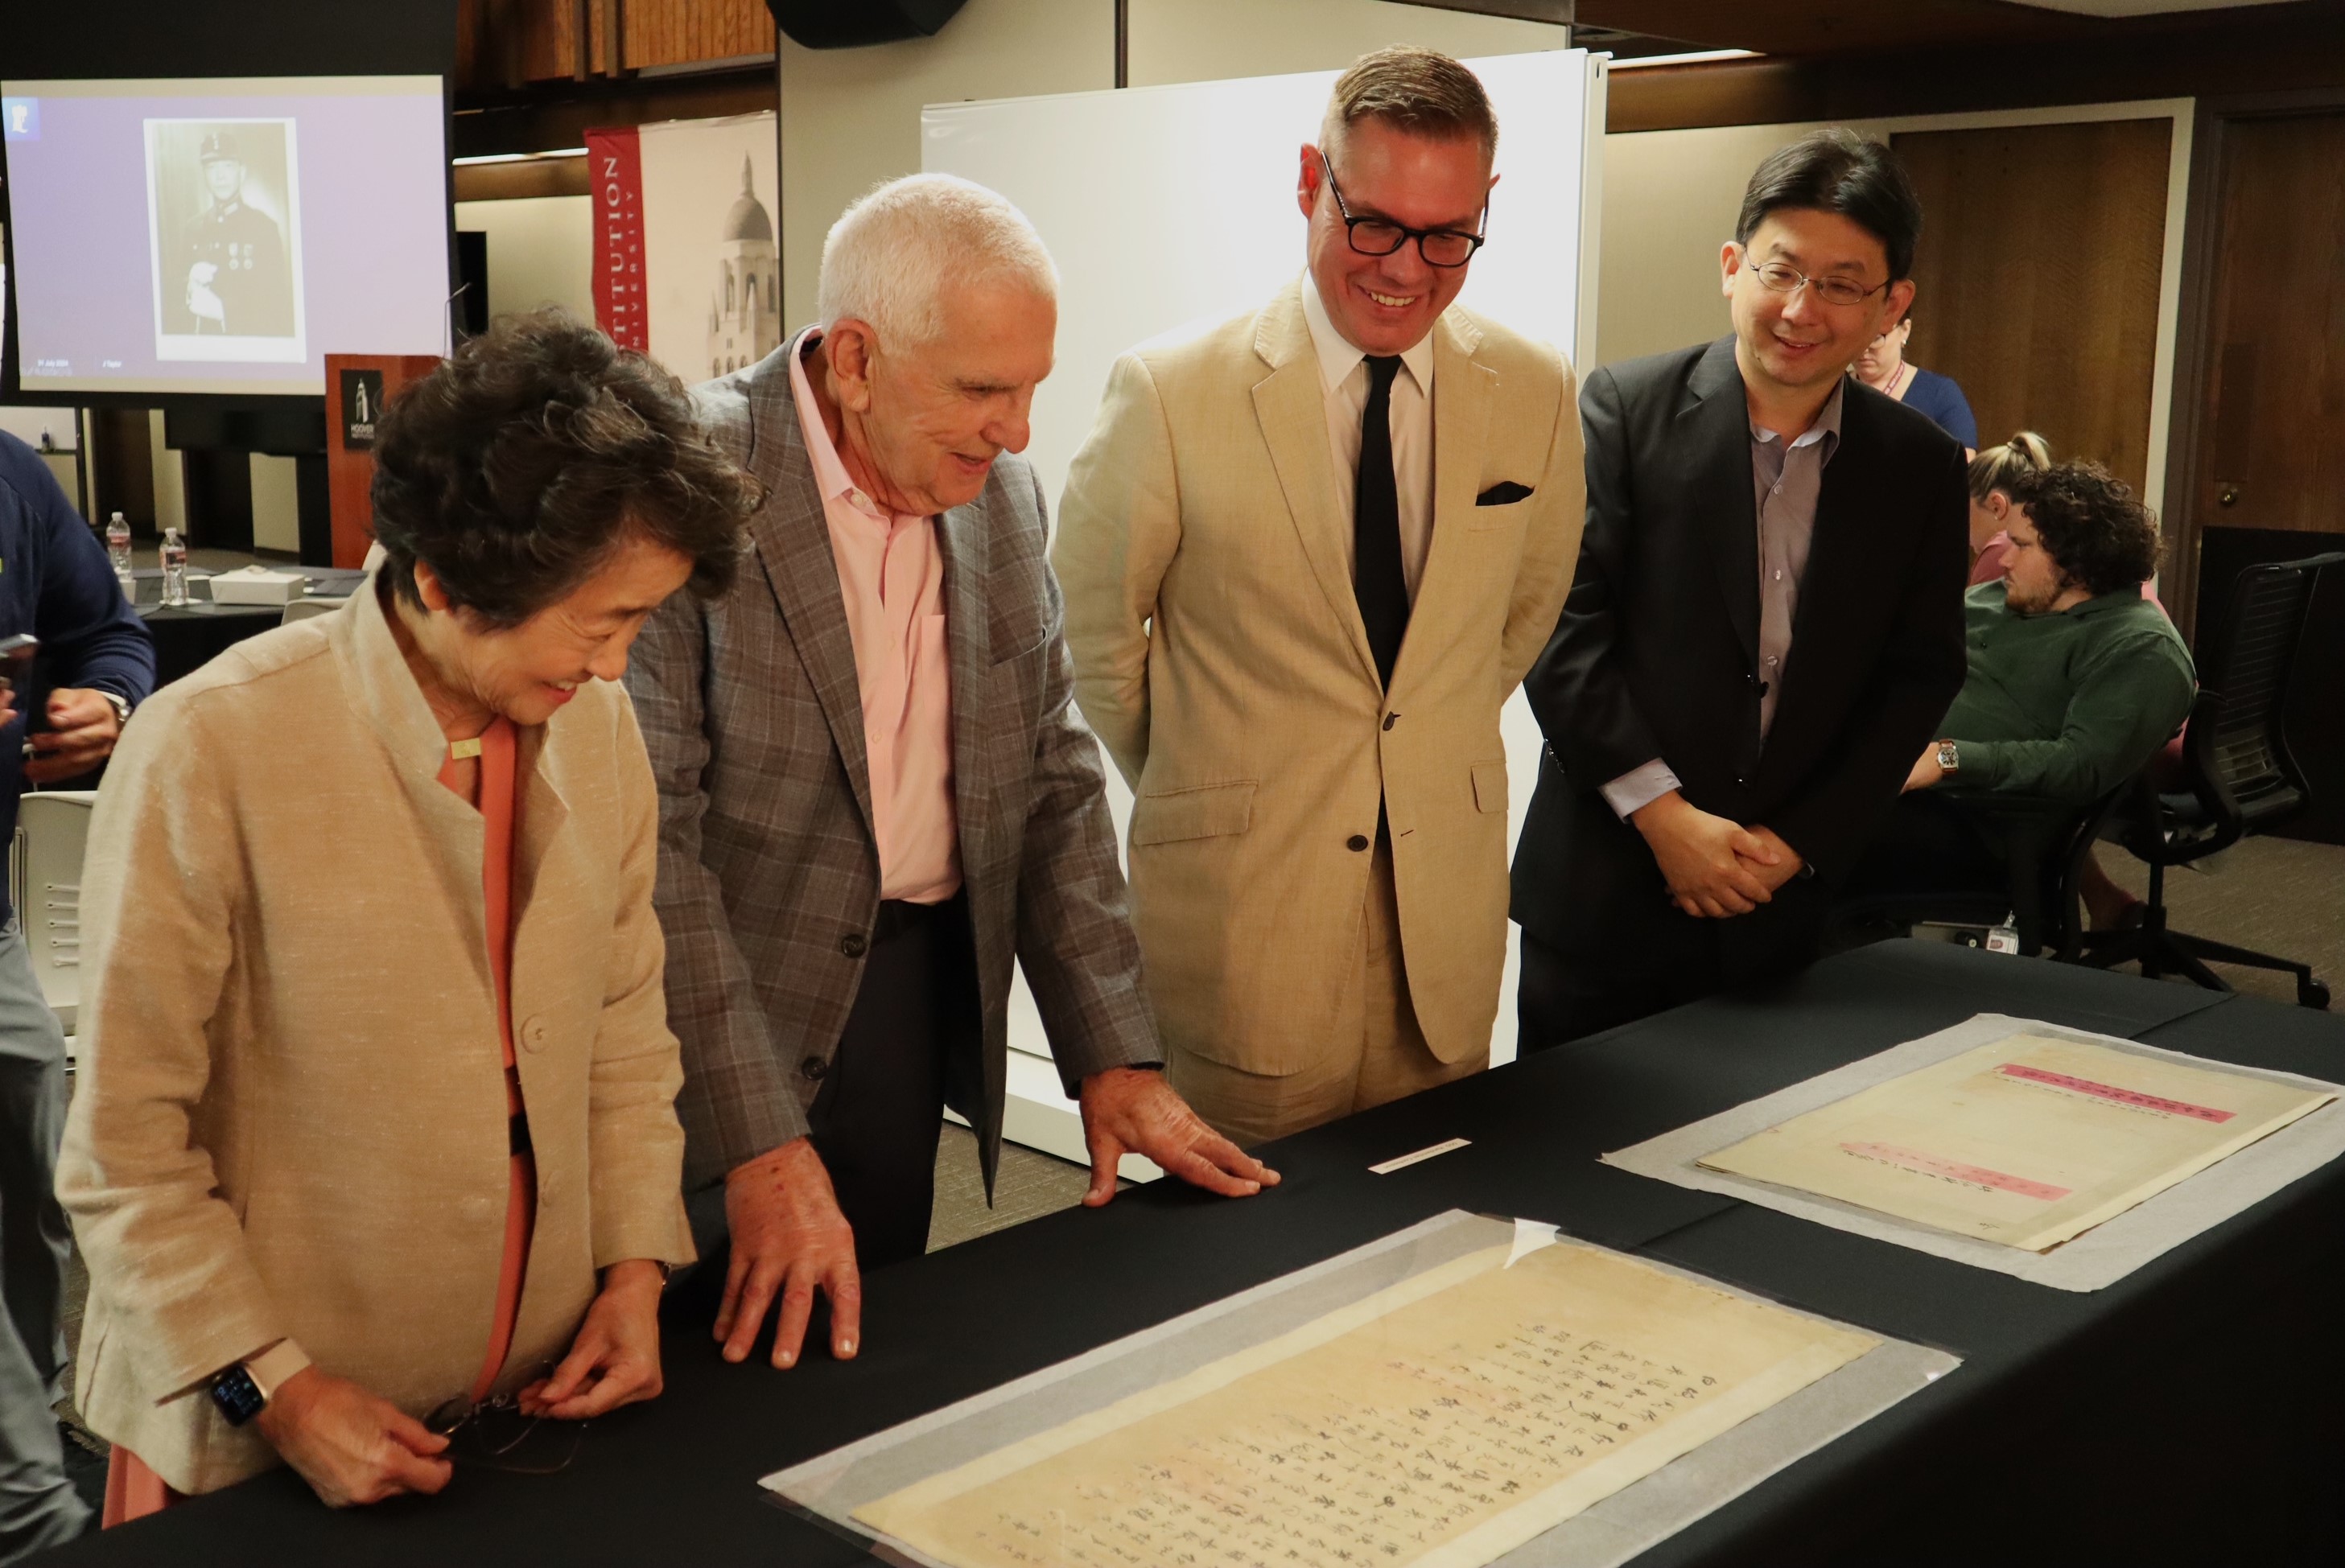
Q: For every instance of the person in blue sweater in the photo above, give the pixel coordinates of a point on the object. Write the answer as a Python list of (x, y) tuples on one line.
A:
[(95, 663), (1885, 368)]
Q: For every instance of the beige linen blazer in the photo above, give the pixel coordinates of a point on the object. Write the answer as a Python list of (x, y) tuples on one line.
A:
[(1220, 655), (290, 1121)]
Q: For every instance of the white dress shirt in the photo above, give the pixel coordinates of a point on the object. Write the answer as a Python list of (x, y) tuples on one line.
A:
[(1344, 388)]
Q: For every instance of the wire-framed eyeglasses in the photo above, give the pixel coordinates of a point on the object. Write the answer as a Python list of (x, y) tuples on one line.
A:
[(1784, 279), (495, 1434), (1382, 236)]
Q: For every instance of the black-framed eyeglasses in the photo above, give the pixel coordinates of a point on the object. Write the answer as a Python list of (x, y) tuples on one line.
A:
[(495, 1434), (1784, 279), (1382, 236)]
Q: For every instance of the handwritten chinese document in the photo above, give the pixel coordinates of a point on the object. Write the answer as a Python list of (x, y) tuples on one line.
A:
[(1441, 1422), (2029, 1142)]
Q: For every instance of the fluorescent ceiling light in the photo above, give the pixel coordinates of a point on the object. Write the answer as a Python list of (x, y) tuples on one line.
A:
[(1698, 57), (2141, 8), (520, 157)]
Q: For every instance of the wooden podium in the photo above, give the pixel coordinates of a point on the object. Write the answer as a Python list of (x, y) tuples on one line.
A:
[(357, 387)]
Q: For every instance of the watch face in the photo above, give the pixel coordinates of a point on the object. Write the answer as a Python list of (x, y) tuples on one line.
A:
[(236, 1395)]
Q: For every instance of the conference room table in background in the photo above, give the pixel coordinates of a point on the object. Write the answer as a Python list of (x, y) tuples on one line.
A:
[(2184, 1415), (190, 636)]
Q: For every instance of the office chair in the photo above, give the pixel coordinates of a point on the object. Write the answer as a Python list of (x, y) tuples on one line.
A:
[(2239, 776), (2044, 849)]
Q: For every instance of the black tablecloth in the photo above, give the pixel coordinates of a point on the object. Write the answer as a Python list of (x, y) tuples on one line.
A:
[(2185, 1414), (188, 637)]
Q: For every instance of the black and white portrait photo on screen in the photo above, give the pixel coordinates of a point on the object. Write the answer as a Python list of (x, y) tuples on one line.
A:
[(224, 221)]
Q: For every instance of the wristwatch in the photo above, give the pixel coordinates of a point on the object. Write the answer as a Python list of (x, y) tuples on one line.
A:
[(244, 1390), (1950, 762), (119, 704)]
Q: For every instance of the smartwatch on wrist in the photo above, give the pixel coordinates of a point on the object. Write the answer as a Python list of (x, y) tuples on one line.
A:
[(244, 1390), (237, 1397)]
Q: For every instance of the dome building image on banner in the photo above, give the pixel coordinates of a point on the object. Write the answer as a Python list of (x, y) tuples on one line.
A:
[(745, 309)]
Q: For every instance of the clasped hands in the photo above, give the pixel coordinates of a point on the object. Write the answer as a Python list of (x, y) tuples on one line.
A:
[(1715, 868), (790, 1240)]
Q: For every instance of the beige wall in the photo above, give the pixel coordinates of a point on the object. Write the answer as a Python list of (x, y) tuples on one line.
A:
[(541, 251), (851, 118), (276, 505)]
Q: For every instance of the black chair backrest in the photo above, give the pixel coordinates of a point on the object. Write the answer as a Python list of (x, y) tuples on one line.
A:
[(2235, 728)]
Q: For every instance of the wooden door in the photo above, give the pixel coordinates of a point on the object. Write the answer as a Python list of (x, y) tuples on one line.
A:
[(2261, 408), (2272, 439), (2038, 279)]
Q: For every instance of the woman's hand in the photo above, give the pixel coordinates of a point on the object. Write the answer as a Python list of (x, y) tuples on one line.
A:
[(349, 1445), (615, 1360)]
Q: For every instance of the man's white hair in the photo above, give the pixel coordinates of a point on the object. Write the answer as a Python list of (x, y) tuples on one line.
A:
[(892, 252)]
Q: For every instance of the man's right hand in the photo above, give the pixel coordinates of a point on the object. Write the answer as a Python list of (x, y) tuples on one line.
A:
[(788, 1238), (1701, 856), (349, 1445)]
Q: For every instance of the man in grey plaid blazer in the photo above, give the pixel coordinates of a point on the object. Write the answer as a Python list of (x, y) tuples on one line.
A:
[(832, 989)]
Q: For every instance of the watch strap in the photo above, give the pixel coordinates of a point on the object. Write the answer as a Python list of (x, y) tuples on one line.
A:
[(275, 1366)]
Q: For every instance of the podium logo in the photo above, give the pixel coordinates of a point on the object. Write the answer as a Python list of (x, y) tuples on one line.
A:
[(362, 407)]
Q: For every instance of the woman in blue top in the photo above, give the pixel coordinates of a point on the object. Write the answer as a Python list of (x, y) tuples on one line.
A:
[(1882, 368)]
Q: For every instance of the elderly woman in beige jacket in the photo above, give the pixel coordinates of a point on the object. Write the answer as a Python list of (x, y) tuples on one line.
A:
[(375, 1111)]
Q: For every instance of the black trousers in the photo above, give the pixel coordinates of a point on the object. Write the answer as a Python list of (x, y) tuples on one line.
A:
[(1568, 995), (917, 1029), (1933, 844)]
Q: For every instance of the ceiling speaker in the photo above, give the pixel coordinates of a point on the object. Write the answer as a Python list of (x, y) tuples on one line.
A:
[(851, 24)]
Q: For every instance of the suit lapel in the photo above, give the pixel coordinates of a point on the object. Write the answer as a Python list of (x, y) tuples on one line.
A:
[(1838, 559), (793, 541), (1464, 392), (1714, 426), (962, 541), (1293, 415)]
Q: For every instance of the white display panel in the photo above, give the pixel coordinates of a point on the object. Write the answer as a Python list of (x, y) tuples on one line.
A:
[(1171, 206), (224, 235)]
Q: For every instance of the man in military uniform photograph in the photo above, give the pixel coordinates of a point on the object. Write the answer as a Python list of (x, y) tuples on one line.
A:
[(237, 283)]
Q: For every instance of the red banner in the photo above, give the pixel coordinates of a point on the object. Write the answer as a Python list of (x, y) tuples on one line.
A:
[(621, 308)]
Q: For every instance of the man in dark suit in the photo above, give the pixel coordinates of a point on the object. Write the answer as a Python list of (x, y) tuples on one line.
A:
[(875, 795), (1765, 626)]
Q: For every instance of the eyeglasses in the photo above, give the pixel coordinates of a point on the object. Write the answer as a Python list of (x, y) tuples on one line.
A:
[(1784, 280), (1382, 236), (495, 1435)]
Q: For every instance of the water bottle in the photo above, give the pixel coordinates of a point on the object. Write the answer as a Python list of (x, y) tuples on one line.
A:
[(175, 567), (2005, 938), (118, 552)]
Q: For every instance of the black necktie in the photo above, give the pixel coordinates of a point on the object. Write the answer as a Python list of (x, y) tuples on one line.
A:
[(1377, 582)]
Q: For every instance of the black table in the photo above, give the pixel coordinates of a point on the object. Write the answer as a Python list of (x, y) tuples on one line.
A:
[(2184, 1415), (190, 636)]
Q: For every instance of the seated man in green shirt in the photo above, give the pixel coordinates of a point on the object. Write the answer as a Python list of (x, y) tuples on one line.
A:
[(2075, 681)]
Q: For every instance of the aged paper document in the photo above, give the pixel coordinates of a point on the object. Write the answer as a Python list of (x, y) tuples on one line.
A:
[(2027, 1141), (1441, 1422)]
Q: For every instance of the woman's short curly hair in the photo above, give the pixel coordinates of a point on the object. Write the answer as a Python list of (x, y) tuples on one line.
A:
[(516, 467), (2097, 533)]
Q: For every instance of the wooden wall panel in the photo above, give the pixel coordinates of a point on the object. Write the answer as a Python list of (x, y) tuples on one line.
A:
[(684, 32), (2038, 279), (2273, 429)]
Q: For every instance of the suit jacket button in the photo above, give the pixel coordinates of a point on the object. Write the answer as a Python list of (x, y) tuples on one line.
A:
[(854, 945), (813, 1068), (1739, 779), (1358, 842), (1391, 718)]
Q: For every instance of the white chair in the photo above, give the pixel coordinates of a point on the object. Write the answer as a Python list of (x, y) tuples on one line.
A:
[(52, 827), (308, 609)]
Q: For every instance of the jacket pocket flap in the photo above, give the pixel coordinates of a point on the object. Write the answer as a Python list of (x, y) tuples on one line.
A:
[(1490, 786), (1208, 810)]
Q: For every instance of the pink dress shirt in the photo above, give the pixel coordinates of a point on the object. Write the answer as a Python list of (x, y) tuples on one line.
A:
[(892, 577)]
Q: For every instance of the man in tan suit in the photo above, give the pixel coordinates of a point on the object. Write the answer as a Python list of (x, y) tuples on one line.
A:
[(1306, 556)]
